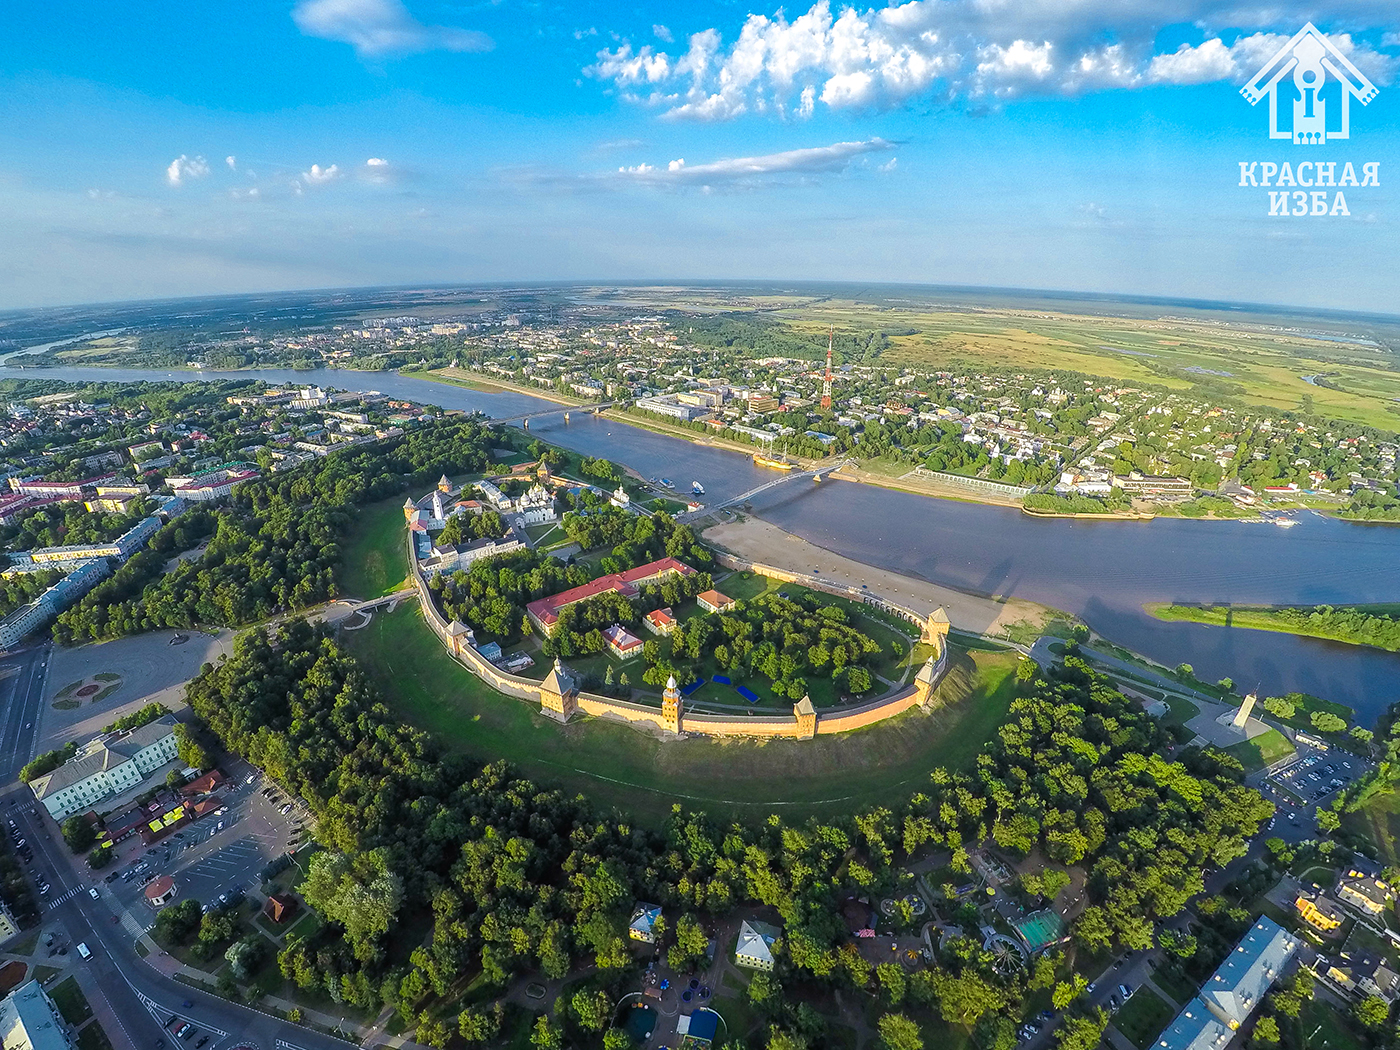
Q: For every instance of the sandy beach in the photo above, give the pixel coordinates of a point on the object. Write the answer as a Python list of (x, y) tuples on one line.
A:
[(761, 542)]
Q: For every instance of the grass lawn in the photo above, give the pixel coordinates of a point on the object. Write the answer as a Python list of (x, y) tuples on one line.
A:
[(71, 1001), (93, 1038), (25, 945), (1182, 710), (374, 563), (1378, 821), (1174, 982), (1264, 749), (620, 766), (1143, 1017), (43, 973), (1330, 1028)]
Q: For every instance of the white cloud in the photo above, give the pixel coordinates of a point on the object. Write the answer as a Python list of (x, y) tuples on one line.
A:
[(184, 167), (946, 49), (318, 175), (378, 28), (377, 169), (662, 33), (798, 163), (377, 162), (232, 163)]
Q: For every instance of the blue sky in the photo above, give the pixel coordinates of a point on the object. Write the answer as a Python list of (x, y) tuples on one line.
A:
[(172, 149)]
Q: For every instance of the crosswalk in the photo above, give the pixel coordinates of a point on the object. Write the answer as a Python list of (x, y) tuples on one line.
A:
[(161, 1014), (66, 895)]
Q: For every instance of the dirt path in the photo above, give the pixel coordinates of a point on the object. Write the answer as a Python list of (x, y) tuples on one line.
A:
[(762, 542)]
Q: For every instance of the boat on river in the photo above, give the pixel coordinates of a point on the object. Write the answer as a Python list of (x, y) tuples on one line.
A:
[(667, 483), (697, 489)]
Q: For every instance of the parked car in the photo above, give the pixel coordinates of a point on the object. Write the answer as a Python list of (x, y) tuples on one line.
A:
[(1126, 991)]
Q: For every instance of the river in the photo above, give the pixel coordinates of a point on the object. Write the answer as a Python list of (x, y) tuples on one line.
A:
[(1101, 571)]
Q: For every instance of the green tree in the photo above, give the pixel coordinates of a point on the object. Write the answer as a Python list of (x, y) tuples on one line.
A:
[(691, 943), (362, 895), (898, 1032), (1328, 821), (191, 751), (245, 955), (617, 1039), (1082, 1032), (1280, 707), (1327, 722), (78, 833), (1067, 992), (546, 1035), (480, 1026), (592, 1009), (892, 982), (1266, 1030), (1372, 1012)]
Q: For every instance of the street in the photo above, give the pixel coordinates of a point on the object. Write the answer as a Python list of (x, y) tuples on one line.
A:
[(21, 704), (137, 997)]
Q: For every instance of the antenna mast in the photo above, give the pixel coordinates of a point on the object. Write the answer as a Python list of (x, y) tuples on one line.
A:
[(826, 382)]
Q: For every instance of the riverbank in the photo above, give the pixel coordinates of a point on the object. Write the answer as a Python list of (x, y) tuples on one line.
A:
[(491, 385), (1374, 626), (1130, 515), (762, 542)]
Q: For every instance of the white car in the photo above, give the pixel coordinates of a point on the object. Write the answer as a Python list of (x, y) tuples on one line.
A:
[(93, 893)]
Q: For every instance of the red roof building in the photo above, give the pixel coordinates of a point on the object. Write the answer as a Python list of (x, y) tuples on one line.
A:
[(544, 612), (622, 643), (204, 784)]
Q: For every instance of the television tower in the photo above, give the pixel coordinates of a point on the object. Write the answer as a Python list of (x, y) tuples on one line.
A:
[(826, 381)]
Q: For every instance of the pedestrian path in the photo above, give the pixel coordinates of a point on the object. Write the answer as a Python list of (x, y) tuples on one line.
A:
[(66, 895)]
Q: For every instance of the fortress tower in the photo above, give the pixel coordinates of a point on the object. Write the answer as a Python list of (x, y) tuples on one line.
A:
[(559, 693), (444, 486), (806, 716), (671, 706), (936, 627), (408, 509), (925, 682)]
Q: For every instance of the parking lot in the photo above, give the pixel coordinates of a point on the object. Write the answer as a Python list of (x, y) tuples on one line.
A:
[(223, 852), (1314, 776)]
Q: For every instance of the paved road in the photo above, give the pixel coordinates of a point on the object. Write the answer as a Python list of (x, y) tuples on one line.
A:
[(21, 702), (139, 997)]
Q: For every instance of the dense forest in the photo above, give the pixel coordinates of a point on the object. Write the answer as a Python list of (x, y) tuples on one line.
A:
[(276, 546), (513, 877)]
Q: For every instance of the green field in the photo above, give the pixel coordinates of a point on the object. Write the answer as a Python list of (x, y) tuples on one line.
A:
[(635, 771), (1263, 750), (375, 552), (1259, 355), (1143, 1017)]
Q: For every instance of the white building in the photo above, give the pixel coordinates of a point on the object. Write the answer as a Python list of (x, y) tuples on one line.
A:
[(29, 1020), (53, 601), (450, 559), (106, 767)]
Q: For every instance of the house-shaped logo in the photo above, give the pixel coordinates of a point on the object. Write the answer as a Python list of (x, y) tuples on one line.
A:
[(1311, 57)]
